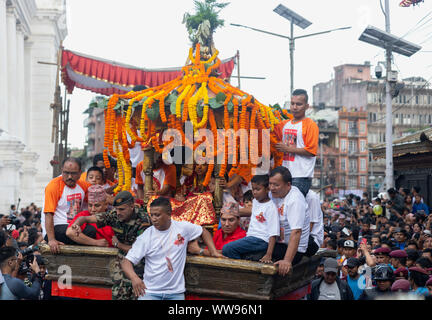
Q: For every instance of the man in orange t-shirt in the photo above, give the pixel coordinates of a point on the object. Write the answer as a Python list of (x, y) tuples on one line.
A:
[(299, 142), (64, 197), (164, 178)]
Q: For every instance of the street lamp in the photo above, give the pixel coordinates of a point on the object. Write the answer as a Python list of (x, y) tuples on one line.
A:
[(295, 19), (391, 43)]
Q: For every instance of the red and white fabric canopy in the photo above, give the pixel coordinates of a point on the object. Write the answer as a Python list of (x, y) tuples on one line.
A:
[(109, 77)]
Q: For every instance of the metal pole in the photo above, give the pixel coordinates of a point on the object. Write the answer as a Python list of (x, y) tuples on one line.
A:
[(389, 115), (292, 48), (238, 68)]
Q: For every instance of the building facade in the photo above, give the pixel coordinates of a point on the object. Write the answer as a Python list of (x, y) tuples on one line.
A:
[(343, 154), (354, 89), (30, 32)]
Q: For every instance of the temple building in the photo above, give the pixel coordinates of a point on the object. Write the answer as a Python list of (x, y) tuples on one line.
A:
[(30, 32)]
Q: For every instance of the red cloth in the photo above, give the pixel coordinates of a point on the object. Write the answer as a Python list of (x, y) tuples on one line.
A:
[(101, 233), (108, 77), (219, 240)]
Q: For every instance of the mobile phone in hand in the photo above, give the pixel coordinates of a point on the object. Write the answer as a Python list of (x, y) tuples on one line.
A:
[(364, 241)]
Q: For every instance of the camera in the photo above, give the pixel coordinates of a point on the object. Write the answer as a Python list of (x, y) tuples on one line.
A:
[(28, 255), (378, 71), (14, 220)]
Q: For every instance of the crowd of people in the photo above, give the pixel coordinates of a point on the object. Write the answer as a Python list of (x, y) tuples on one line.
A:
[(383, 244)]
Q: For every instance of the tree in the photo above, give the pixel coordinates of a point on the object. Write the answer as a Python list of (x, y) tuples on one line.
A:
[(203, 23)]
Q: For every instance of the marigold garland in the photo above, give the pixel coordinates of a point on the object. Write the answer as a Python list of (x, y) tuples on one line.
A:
[(193, 88)]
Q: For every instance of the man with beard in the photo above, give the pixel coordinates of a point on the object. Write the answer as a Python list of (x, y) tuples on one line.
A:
[(330, 287), (64, 198), (356, 282)]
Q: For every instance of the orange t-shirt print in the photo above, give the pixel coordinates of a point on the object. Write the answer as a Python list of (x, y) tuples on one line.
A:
[(74, 202), (290, 139)]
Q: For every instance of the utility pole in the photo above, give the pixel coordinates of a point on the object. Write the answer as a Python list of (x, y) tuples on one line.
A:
[(292, 48), (389, 109), (391, 43)]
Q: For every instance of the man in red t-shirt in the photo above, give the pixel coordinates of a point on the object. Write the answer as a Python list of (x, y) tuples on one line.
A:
[(230, 231), (101, 237)]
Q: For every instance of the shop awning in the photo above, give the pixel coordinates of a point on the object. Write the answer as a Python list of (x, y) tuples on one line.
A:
[(107, 77)]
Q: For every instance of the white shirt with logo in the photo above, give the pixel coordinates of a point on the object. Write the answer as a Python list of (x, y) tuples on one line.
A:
[(156, 246), (264, 221), (293, 215), (299, 166), (68, 206)]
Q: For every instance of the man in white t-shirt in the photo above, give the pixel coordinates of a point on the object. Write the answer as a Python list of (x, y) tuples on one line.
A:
[(316, 222), (299, 142), (294, 220), (64, 197), (164, 247)]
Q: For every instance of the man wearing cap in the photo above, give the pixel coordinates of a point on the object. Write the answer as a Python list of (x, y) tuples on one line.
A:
[(229, 232), (398, 259), (128, 222), (98, 237), (330, 287), (418, 278), (356, 282), (401, 273), (384, 278), (383, 255), (401, 285), (349, 251)]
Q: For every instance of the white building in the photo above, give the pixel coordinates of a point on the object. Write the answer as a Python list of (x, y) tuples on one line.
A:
[(30, 31)]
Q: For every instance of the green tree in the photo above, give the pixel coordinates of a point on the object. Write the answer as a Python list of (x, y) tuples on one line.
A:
[(203, 23)]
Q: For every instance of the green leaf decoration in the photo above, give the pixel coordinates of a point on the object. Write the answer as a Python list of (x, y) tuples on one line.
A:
[(172, 98), (153, 112), (230, 107), (200, 109), (214, 104), (120, 104), (221, 97)]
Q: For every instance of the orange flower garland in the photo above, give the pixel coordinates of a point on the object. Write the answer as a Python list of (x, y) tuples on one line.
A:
[(193, 86)]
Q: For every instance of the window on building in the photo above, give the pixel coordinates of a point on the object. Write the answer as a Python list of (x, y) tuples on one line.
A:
[(353, 165), (343, 126), (363, 144), (342, 181), (352, 183), (417, 99), (352, 146), (343, 145), (363, 164), (362, 182), (343, 164)]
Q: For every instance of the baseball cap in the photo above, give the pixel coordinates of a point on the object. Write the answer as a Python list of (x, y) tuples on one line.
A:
[(349, 244), (353, 262), (330, 265), (427, 233), (123, 198)]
